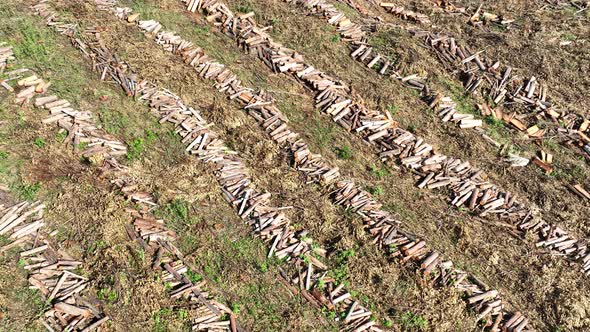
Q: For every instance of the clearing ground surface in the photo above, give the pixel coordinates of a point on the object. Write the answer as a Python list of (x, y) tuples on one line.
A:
[(294, 165)]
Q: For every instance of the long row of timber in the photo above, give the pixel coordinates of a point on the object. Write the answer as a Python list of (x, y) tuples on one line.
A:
[(313, 166), (267, 222), (468, 185)]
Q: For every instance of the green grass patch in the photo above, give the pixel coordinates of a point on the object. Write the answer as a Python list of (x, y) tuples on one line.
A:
[(323, 134), (160, 319), (245, 8), (193, 276), (384, 41), (376, 191), (32, 298), (344, 152), (494, 122), (107, 295), (137, 147), (568, 36), (393, 109), (27, 191), (39, 142), (113, 121), (340, 271), (413, 322), (61, 136), (41, 50), (465, 104), (180, 218), (379, 172)]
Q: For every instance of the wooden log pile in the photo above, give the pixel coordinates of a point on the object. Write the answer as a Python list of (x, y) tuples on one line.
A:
[(504, 86), (469, 186), (477, 17), (480, 17), (82, 131), (156, 240), (442, 105), (405, 14), (267, 222), (313, 166), (20, 221), (51, 270), (449, 7)]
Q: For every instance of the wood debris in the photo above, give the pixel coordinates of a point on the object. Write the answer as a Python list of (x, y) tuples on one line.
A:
[(516, 161), (50, 270), (267, 222), (477, 17), (375, 126), (156, 240), (444, 106), (82, 132), (405, 14), (313, 166), (501, 84), (578, 189)]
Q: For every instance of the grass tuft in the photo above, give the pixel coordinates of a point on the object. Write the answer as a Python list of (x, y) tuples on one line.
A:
[(413, 322)]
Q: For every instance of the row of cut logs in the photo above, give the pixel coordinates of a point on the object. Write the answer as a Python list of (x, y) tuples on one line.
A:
[(149, 232), (469, 186), (269, 223), (51, 270), (476, 17), (405, 14), (444, 106), (313, 166), (95, 143), (156, 240), (504, 86)]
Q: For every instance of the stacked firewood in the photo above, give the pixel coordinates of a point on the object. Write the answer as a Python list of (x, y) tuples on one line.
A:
[(405, 13), (51, 271), (477, 17), (444, 106), (156, 239), (448, 7), (82, 132), (269, 223), (382, 224), (468, 184), (501, 84), (20, 221)]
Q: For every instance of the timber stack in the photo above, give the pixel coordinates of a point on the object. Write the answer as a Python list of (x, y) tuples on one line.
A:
[(210, 69), (82, 132), (267, 222), (51, 270), (355, 35), (405, 14), (468, 184), (504, 86)]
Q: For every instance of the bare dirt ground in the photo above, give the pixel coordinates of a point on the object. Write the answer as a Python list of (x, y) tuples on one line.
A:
[(90, 216)]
